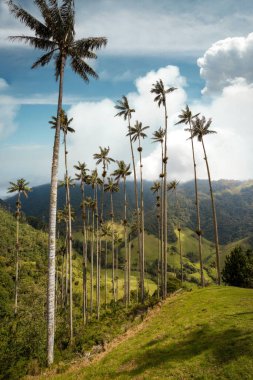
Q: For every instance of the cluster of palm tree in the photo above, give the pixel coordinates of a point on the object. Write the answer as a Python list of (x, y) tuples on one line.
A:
[(55, 34)]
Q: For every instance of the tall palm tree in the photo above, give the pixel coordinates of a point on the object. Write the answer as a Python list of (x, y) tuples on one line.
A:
[(67, 183), (102, 157), (172, 186), (159, 136), (155, 188), (82, 176), (126, 112), (91, 205), (136, 133), (95, 181), (65, 127), (159, 90), (56, 36), (112, 187), (200, 128), (122, 172), (106, 232), (20, 187), (187, 118)]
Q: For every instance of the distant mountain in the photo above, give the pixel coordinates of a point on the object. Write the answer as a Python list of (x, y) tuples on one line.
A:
[(234, 204)]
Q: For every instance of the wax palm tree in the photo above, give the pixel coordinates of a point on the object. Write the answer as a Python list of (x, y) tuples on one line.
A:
[(112, 187), (106, 233), (82, 176), (172, 186), (155, 188), (200, 128), (122, 172), (95, 181), (56, 36), (159, 90), (136, 133), (68, 183), (159, 136), (20, 187), (126, 112), (186, 117), (102, 157), (92, 206)]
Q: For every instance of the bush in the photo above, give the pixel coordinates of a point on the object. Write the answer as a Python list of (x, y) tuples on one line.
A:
[(238, 270)]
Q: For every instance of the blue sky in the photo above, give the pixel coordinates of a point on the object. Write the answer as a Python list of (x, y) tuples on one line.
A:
[(144, 37)]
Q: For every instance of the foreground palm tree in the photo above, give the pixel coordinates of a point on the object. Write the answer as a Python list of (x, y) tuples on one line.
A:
[(187, 118), (159, 90), (123, 171), (82, 176), (200, 128), (56, 36), (136, 133), (21, 187), (126, 112)]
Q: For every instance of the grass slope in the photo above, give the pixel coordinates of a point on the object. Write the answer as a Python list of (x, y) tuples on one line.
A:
[(205, 334)]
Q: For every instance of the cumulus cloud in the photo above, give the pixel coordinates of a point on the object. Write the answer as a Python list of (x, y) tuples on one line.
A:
[(96, 125), (227, 62), (8, 111)]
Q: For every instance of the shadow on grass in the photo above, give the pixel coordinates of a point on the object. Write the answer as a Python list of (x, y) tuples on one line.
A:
[(223, 347)]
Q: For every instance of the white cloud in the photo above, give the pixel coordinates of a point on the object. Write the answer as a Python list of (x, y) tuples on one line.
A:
[(96, 125), (227, 62), (8, 112)]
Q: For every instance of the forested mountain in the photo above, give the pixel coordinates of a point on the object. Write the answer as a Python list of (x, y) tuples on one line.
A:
[(234, 204)]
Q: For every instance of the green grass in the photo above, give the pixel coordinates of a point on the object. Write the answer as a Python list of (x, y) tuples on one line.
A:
[(205, 334)]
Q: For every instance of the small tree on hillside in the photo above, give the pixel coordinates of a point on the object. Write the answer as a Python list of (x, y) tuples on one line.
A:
[(238, 269)]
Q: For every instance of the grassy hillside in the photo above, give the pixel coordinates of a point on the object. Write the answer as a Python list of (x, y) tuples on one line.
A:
[(204, 334)]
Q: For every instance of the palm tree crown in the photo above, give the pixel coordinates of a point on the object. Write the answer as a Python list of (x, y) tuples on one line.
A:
[(122, 171), (155, 187), (172, 185), (64, 123), (111, 186), (160, 91), (82, 169), (137, 131), (124, 108), (56, 36), (200, 128), (21, 186), (158, 136), (186, 116)]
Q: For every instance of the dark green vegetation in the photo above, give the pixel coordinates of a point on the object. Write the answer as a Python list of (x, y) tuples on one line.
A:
[(238, 268), (206, 334), (23, 337), (234, 201)]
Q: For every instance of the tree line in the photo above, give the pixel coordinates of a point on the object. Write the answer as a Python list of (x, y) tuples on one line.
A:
[(56, 36)]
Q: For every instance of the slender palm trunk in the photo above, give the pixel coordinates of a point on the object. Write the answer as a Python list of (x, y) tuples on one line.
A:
[(137, 216), (117, 271), (97, 257), (67, 268), (214, 217), (162, 225), (17, 255), (126, 282), (198, 212), (113, 253), (165, 205), (106, 274), (142, 220), (92, 262), (52, 229), (179, 237), (84, 256), (159, 252), (129, 272)]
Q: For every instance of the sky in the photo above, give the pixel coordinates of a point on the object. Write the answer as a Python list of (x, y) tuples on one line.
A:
[(203, 48)]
